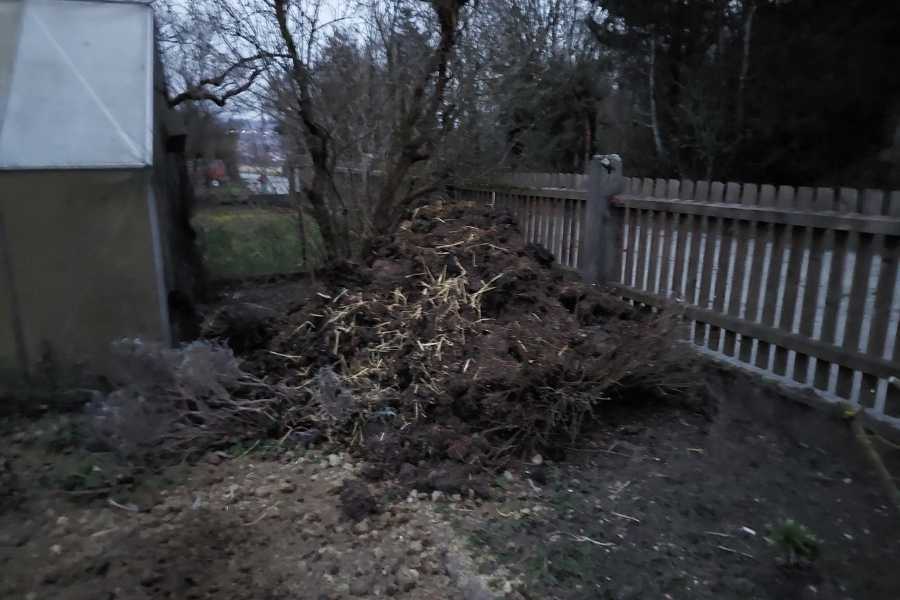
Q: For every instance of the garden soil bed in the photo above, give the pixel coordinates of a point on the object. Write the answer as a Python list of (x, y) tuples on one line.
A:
[(669, 503), (656, 503)]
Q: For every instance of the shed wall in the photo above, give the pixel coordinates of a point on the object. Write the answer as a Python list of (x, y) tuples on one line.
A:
[(82, 260)]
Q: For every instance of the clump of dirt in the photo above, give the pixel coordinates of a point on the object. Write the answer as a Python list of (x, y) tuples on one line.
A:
[(357, 501), (458, 342)]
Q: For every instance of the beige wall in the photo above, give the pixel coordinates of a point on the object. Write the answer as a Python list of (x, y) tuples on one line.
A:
[(83, 263)]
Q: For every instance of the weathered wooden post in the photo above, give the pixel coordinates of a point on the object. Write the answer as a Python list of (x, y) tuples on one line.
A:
[(600, 233)]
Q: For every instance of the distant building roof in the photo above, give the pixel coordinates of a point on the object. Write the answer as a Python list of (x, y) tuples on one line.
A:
[(76, 84)]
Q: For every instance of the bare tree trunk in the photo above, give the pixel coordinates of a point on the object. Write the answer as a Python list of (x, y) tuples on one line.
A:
[(588, 143), (317, 142), (745, 68), (654, 117), (408, 146), (297, 201)]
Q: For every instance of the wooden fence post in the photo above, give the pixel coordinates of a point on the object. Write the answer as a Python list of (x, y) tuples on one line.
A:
[(600, 233)]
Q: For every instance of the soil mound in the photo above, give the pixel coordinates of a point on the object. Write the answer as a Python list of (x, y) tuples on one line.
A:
[(459, 342)]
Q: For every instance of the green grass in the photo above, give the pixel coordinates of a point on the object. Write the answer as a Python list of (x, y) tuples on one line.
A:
[(243, 242)]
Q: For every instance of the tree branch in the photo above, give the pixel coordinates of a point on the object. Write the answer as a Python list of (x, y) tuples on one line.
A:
[(200, 91)]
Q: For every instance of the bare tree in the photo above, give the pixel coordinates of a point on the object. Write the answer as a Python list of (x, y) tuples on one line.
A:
[(277, 50)]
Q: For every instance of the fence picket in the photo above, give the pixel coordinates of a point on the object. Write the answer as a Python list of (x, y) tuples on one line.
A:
[(732, 192), (863, 245), (712, 232), (815, 238), (549, 213), (798, 243), (685, 224), (716, 192), (761, 261), (848, 202), (767, 195), (784, 198), (695, 261), (580, 211), (743, 266), (714, 246), (824, 199), (640, 252), (672, 188), (552, 226), (686, 190), (666, 237), (565, 232), (768, 255), (833, 295), (659, 188), (869, 337), (701, 191), (738, 280), (652, 248), (803, 199), (724, 265), (870, 394)]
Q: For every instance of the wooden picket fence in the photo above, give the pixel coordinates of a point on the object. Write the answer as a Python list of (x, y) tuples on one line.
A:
[(800, 283)]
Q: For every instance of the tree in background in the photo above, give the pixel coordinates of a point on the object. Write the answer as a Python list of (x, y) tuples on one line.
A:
[(295, 57), (422, 91), (796, 91)]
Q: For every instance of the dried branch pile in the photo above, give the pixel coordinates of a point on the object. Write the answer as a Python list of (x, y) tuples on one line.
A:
[(457, 342), (460, 341)]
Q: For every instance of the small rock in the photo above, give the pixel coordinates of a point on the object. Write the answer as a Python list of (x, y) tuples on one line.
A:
[(436, 496), (360, 587), (287, 487), (407, 578), (334, 460), (508, 476), (537, 459), (56, 549), (456, 498), (342, 588), (432, 568), (214, 459), (415, 547), (357, 502), (150, 578), (263, 491), (361, 527), (507, 587)]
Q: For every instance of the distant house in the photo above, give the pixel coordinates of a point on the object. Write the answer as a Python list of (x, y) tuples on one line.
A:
[(91, 205)]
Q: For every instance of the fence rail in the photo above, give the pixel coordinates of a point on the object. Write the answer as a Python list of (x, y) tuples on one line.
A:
[(799, 282)]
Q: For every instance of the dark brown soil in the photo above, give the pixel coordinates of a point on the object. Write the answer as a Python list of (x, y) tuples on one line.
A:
[(667, 492), (455, 342), (654, 504)]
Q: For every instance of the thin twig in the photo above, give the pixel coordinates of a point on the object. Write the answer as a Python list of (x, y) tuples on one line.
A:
[(621, 516), (733, 551)]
